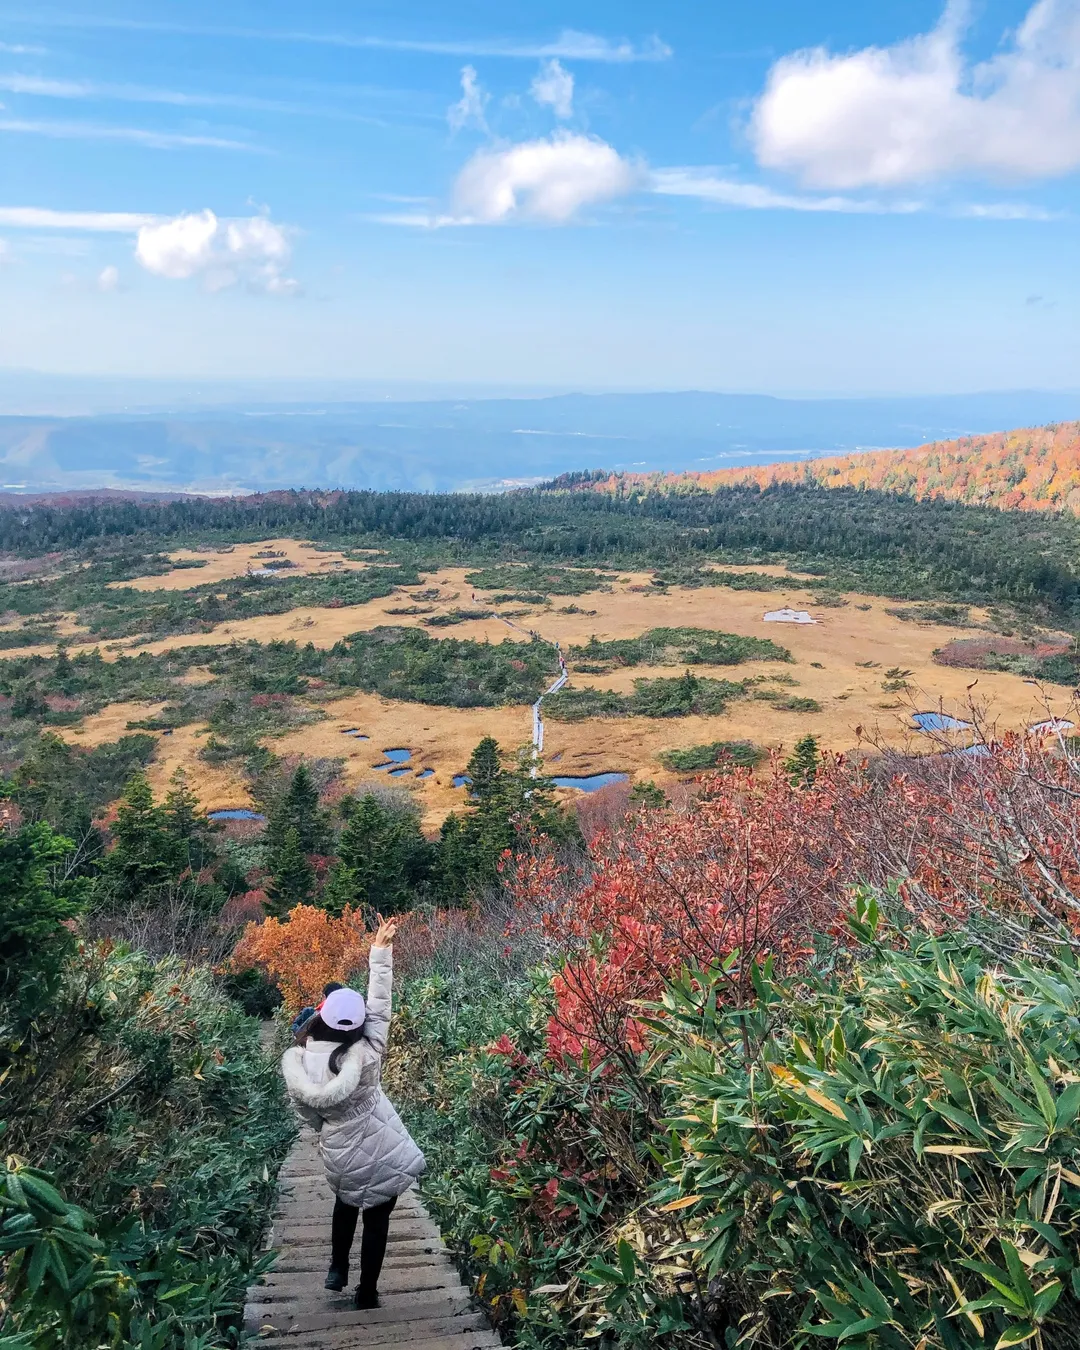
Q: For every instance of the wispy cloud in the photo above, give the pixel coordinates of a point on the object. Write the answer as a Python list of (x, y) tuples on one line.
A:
[(553, 87), (469, 109), (1004, 211), (154, 140), (37, 87), (94, 222), (571, 44), (708, 186), (20, 49)]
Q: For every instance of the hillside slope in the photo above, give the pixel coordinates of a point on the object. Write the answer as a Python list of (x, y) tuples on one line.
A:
[(1031, 469)]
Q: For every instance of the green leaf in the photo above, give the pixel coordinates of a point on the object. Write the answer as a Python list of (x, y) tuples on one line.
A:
[(627, 1261), (864, 1324), (1016, 1335), (1018, 1273), (1042, 1092), (1046, 1298)]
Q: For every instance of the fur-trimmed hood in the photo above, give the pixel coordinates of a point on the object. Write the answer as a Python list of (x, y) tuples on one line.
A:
[(342, 1086)]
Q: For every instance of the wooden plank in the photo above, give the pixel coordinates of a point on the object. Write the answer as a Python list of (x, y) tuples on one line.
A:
[(357, 1338), (395, 1308), (381, 1334)]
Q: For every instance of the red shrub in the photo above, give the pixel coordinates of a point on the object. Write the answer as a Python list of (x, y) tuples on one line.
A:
[(757, 867)]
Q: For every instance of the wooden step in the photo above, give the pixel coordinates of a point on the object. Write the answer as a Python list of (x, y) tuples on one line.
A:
[(424, 1305)]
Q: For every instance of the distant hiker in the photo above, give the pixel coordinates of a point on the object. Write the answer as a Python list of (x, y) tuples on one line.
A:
[(333, 1078)]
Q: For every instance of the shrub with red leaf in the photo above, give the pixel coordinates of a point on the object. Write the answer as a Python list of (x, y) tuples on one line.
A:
[(758, 867)]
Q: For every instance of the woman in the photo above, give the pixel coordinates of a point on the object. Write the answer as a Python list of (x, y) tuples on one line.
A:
[(333, 1078)]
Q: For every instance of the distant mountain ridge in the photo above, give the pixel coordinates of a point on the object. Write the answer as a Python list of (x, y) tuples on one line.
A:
[(446, 445), (1030, 469)]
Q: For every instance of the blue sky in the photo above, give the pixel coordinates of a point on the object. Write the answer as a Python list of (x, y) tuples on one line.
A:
[(781, 197)]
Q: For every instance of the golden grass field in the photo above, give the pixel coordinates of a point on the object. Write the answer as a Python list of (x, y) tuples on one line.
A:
[(841, 643)]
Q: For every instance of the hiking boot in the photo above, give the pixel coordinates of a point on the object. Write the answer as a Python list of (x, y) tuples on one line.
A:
[(364, 1298), (337, 1277)]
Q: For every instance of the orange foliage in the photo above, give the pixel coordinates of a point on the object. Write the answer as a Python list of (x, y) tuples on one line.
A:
[(306, 951), (1032, 469), (309, 948)]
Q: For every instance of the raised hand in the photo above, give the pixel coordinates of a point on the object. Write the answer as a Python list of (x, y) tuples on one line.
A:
[(386, 932)]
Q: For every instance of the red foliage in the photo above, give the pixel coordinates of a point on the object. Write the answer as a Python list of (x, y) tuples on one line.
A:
[(269, 700), (250, 907), (974, 653), (758, 867)]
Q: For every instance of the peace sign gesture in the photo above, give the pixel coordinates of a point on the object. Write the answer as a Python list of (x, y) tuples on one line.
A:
[(386, 932)]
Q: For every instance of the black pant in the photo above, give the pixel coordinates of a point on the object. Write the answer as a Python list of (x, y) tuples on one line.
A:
[(372, 1243)]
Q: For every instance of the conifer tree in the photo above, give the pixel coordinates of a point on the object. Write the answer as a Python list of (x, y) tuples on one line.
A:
[(143, 856), (293, 877), (485, 768), (186, 824), (382, 858), (299, 810), (803, 763)]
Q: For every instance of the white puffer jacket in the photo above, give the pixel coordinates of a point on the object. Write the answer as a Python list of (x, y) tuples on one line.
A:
[(369, 1155)]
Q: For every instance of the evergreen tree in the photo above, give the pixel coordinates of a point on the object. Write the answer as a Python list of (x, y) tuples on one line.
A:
[(648, 794), (293, 878), (453, 868), (804, 762), (513, 811), (382, 858), (299, 810), (144, 855), (186, 824), (485, 768)]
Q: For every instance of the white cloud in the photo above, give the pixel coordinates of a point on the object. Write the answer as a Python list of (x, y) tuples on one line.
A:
[(469, 109), (221, 252), (707, 186), (155, 140), (20, 49), (918, 111), (554, 87), (106, 222), (109, 279), (545, 180)]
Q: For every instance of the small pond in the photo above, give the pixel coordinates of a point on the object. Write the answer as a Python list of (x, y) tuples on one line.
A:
[(236, 813), (352, 731), (461, 780), (395, 756), (938, 721), (589, 782), (426, 773)]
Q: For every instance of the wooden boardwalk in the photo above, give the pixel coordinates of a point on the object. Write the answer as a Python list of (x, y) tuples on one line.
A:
[(425, 1306)]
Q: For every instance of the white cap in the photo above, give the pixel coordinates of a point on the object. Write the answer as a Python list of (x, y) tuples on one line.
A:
[(343, 1010)]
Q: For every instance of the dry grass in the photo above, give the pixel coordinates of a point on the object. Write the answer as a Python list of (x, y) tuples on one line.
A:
[(215, 786), (442, 738), (235, 561)]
